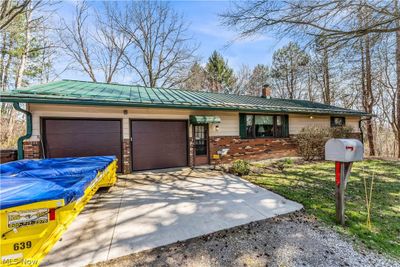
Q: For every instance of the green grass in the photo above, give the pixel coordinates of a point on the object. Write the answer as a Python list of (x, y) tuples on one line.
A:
[(313, 185)]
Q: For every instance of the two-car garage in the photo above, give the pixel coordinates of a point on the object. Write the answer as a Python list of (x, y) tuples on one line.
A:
[(155, 144)]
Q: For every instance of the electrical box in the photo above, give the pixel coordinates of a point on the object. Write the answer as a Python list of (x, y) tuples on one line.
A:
[(344, 150)]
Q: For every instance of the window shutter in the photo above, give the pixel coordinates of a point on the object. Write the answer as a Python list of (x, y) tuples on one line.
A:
[(285, 126), (242, 125)]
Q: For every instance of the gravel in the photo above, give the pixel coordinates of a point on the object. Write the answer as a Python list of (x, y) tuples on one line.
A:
[(290, 240)]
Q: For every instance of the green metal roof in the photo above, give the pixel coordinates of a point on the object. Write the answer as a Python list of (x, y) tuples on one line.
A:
[(90, 93)]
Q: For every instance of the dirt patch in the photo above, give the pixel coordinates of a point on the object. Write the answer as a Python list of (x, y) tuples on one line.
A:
[(290, 240)]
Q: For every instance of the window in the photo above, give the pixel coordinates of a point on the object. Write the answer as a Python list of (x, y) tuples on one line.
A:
[(338, 121), (259, 126), (264, 126), (249, 125)]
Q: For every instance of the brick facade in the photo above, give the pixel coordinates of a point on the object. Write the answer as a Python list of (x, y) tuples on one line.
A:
[(251, 149), (126, 156), (32, 150)]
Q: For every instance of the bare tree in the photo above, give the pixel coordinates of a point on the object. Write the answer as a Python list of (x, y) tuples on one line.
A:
[(368, 99), (10, 9), (94, 51), (397, 103), (241, 81), (161, 51), (110, 52), (24, 54), (331, 20), (322, 64), (75, 40), (386, 85)]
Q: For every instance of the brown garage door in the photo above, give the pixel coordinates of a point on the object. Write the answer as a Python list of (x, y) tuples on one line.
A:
[(159, 144), (82, 137)]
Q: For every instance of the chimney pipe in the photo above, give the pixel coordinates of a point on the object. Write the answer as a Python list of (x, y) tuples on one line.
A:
[(266, 91)]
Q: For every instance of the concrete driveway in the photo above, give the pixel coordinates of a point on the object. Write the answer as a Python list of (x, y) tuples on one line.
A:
[(150, 209)]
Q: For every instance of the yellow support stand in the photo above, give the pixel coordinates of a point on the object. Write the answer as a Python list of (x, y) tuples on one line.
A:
[(28, 232)]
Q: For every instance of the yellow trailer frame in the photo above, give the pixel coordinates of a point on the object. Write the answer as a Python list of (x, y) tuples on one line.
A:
[(27, 244)]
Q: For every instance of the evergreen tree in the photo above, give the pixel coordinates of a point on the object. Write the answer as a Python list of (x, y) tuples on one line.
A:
[(289, 70), (196, 79), (258, 78), (220, 76)]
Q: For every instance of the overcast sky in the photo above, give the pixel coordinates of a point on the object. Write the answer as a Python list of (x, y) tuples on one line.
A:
[(204, 26)]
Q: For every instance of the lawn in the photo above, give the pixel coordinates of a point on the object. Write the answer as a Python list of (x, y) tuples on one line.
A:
[(313, 185)]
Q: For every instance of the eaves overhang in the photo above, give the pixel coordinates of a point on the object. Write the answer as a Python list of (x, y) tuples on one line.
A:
[(29, 98)]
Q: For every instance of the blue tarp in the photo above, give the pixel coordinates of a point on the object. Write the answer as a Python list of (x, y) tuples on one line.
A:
[(28, 181)]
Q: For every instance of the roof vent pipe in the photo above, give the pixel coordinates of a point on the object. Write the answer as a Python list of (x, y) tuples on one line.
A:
[(266, 91)]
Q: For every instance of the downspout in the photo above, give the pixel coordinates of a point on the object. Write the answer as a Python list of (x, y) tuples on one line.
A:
[(28, 129)]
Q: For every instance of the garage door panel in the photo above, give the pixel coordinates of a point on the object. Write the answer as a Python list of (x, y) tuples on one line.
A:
[(85, 140), (159, 144), (80, 138), (86, 150), (83, 126)]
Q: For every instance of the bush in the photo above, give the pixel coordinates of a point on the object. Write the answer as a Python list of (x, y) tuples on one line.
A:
[(341, 132), (240, 167), (311, 140)]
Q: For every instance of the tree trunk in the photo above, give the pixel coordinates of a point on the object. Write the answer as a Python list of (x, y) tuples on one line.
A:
[(21, 68), (369, 94), (291, 86), (397, 123), (326, 78), (309, 86), (398, 90), (2, 59), (6, 72)]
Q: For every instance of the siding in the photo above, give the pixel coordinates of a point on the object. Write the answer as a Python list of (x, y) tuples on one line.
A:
[(298, 122), (229, 125), (353, 122)]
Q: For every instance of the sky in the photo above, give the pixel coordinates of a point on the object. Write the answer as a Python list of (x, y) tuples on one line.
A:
[(206, 29)]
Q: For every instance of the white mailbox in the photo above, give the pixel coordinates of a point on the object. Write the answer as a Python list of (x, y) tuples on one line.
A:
[(344, 150)]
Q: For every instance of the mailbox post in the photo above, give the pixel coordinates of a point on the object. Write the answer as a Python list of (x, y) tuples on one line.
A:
[(343, 152)]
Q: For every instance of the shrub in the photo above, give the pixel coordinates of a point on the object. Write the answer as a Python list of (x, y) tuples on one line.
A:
[(311, 140), (341, 132), (240, 167)]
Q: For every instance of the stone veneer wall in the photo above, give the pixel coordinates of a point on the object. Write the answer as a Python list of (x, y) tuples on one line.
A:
[(126, 156), (191, 152), (251, 149), (32, 149)]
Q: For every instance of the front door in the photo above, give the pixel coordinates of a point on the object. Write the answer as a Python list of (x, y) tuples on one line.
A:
[(200, 134)]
